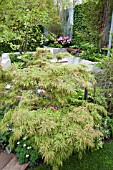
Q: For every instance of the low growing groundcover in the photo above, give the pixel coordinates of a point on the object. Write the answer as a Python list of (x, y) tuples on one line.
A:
[(101, 159)]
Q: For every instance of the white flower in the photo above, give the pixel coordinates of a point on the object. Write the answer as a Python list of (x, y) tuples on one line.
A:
[(25, 137), (18, 143), (107, 131), (10, 129), (8, 86), (29, 147), (105, 122), (109, 94), (27, 156), (40, 91), (24, 145)]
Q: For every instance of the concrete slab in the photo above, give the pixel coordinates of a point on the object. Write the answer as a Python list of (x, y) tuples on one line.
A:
[(56, 50)]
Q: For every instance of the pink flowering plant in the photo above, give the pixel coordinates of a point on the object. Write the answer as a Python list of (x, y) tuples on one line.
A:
[(60, 42), (64, 41)]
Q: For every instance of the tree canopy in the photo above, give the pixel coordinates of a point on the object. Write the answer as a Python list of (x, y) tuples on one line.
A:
[(18, 18)]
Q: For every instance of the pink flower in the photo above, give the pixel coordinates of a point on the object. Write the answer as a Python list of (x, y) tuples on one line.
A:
[(69, 40), (40, 91), (64, 40), (60, 38), (20, 97), (66, 37), (55, 107)]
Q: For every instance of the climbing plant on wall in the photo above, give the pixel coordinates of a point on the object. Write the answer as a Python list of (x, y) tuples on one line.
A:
[(91, 22), (86, 23)]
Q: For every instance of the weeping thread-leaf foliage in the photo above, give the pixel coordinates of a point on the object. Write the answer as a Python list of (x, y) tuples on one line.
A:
[(55, 126)]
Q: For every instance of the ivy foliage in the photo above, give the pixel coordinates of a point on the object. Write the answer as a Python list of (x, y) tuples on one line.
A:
[(87, 18), (44, 109)]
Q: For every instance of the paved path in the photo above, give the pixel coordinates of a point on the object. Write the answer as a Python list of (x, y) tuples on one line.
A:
[(77, 60), (10, 162)]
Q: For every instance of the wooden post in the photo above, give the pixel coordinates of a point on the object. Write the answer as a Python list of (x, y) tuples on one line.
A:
[(85, 94), (94, 93), (110, 36)]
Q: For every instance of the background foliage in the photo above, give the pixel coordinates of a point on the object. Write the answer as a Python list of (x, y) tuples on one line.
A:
[(20, 22)]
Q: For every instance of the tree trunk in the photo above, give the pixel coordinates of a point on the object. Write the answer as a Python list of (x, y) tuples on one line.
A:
[(103, 23)]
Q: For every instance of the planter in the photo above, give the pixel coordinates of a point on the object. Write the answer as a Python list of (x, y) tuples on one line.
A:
[(5, 61), (56, 50)]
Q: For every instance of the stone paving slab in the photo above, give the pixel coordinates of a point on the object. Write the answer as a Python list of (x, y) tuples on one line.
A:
[(10, 162), (14, 165), (76, 61), (89, 64), (55, 50), (5, 159)]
